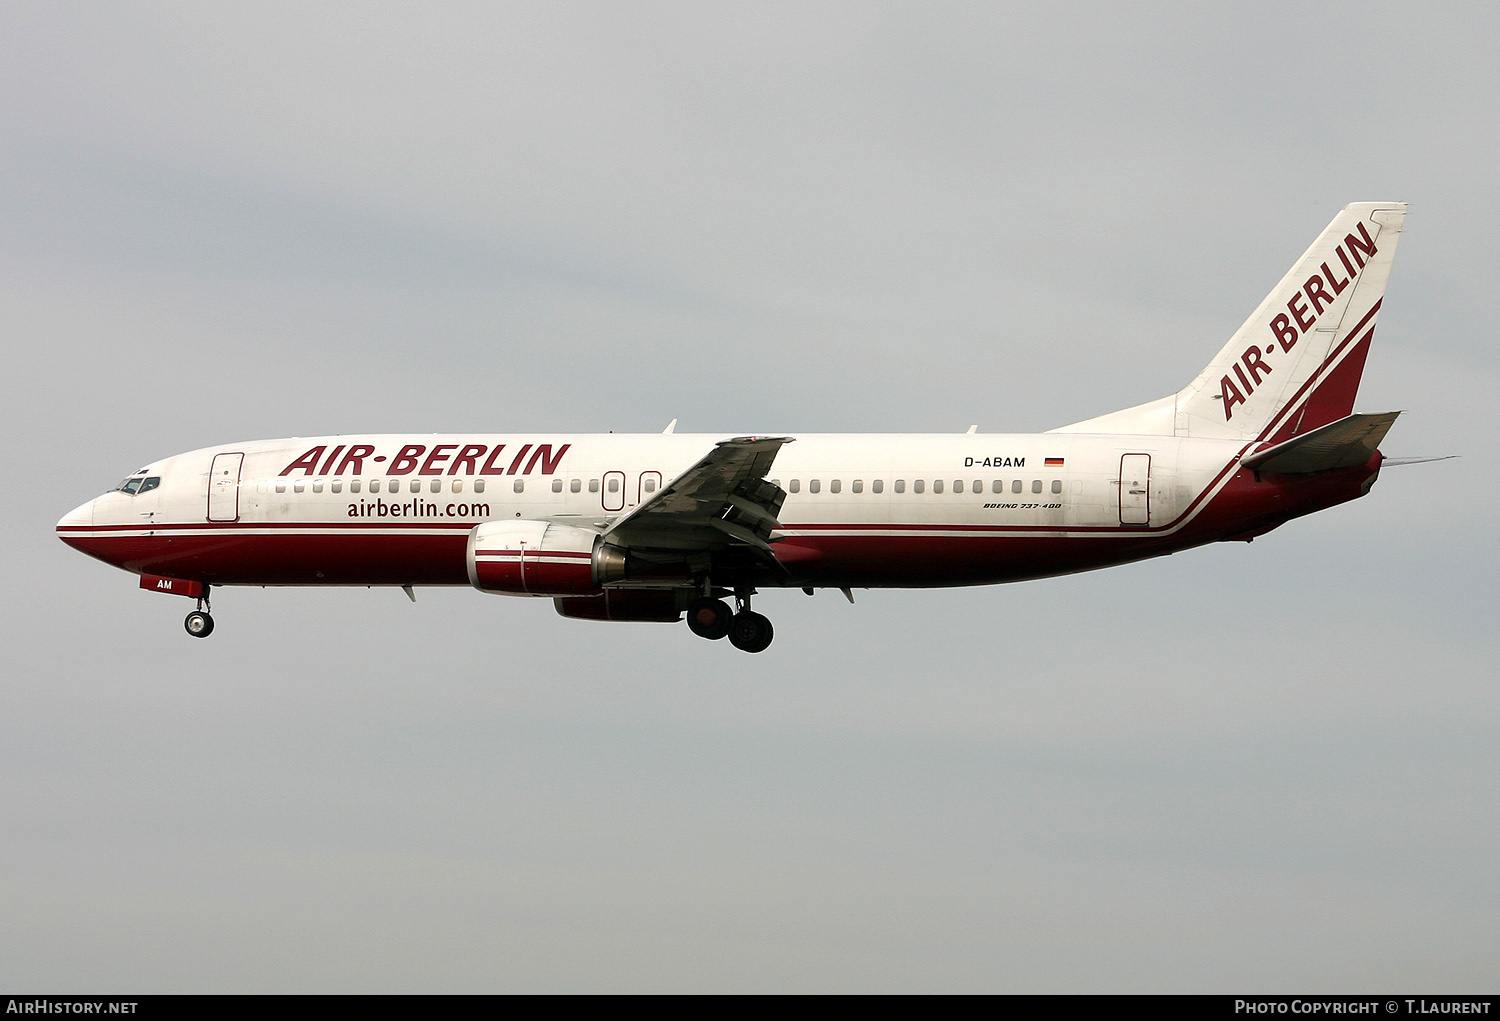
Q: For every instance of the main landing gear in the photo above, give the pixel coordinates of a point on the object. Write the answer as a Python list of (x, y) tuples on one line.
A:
[(751, 632), (709, 618), (200, 623), (746, 630)]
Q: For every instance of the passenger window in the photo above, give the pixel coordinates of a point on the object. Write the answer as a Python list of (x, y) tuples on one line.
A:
[(280, 488), (833, 487), (814, 486), (614, 485), (296, 487), (998, 486), (958, 485), (479, 485), (979, 485), (416, 485), (794, 486), (575, 486), (900, 485), (918, 485), (1015, 487), (1057, 485), (593, 485), (877, 486), (519, 486), (317, 485), (859, 485), (1036, 485), (651, 485), (337, 486), (262, 486), (374, 485), (937, 485), (557, 485), (458, 485), (435, 486)]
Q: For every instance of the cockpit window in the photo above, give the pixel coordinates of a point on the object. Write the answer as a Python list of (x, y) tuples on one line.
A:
[(135, 484)]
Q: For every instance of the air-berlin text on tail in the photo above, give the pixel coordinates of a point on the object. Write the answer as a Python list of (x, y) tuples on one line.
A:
[(441, 459), (1315, 295)]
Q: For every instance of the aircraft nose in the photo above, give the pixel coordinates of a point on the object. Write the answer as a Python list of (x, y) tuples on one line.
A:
[(79, 517)]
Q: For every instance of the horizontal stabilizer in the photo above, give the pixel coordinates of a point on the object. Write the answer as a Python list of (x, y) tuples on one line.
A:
[(1343, 444), (1393, 462)]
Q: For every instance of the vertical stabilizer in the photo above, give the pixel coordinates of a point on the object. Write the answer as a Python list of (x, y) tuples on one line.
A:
[(1295, 364)]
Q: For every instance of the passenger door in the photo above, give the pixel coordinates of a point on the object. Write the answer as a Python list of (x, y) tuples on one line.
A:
[(1135, 489), (224, 487)]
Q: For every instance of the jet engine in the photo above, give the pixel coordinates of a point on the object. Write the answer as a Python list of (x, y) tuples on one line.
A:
[(539, 558)]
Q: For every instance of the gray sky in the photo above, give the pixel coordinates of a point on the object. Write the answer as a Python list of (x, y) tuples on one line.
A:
[(1245, 768)]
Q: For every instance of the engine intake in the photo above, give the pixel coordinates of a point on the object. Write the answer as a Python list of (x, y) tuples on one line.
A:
[(539, 558)]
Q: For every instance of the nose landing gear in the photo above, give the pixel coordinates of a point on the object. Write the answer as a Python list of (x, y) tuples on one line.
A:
[(200, 623)]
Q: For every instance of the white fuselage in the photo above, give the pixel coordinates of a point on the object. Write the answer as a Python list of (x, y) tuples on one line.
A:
[(872, 509)]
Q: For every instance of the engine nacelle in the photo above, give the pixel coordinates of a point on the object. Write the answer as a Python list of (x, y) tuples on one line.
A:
[(662, 605), (539, 558)]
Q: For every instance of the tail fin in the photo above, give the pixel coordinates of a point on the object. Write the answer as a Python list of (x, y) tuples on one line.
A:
[(1296, 363)]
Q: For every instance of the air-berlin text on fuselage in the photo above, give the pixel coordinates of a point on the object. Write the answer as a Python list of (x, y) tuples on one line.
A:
[(441, 459), (1317, 293)]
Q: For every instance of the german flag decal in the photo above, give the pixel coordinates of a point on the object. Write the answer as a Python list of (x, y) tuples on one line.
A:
[(1054, 462)]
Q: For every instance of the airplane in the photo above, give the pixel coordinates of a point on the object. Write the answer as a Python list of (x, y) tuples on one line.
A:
[(653, 527)]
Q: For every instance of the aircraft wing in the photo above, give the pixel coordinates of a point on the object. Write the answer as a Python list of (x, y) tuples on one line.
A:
[(724, 500)]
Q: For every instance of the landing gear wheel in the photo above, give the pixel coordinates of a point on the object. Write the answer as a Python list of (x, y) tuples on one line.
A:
[(199, 624), (750, 632), (709, 618)]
